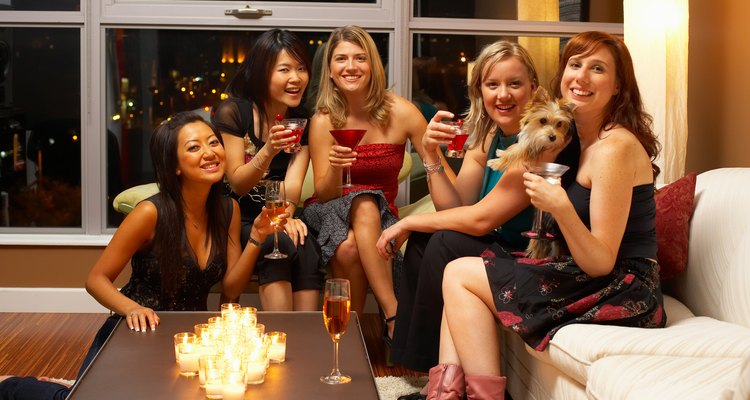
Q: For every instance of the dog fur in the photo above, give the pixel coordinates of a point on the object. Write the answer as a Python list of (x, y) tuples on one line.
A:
[(544, 126)]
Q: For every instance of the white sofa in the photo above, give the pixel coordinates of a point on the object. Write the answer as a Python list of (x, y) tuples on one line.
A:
[(703, 353)]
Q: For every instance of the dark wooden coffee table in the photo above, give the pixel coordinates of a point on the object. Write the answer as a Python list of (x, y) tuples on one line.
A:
[(137, 365)]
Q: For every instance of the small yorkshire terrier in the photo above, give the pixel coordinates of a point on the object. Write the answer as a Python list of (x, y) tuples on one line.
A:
[(544, 126)]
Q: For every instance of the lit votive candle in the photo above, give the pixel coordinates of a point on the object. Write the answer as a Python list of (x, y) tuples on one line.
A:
[(179, 338), (248, 316), (201, 330), (229, 308), (277, 347), (256, 372), (234, 385), (189, 356), (214, 385), (207, 363)]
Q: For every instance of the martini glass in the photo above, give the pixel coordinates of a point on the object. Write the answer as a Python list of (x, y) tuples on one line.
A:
[(551, 172), (348, 138)]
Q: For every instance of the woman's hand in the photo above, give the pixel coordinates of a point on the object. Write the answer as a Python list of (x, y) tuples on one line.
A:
[(438, 133), (140, 318), (395, 232), (544, 195), (279, 138), (297, 230), (340, 156), (264, 226)]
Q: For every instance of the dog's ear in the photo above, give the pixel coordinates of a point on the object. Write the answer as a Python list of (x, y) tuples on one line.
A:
[(567, 105), (541, 96)]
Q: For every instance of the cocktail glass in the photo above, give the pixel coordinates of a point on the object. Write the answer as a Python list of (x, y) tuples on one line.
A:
[(551, 172), (348, 138)]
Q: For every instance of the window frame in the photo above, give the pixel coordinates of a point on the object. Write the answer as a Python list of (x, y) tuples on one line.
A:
[(96, 16)]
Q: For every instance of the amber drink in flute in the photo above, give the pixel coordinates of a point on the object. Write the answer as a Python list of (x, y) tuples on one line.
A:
[(276, 202), (336, 306)]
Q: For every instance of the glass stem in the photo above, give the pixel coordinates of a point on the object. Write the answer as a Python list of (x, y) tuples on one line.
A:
[(348, 176), (275, 241), (537, 222), (335, 358)]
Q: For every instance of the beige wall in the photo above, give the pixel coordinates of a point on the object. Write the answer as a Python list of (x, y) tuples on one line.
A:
[(718, 85), (719, 134), (53, 266)]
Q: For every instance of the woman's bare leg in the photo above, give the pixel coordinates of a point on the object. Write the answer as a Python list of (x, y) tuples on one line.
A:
[(306, 300), (346, 264), (365, 220), (276, 296), (469, 310)]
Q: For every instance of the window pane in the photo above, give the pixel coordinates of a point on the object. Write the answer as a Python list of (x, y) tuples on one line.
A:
[(152, 74), (41, 5), (40, 127), (523, 10)]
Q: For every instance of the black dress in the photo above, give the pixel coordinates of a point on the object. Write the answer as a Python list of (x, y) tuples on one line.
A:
[(536, 300), (303, 267)]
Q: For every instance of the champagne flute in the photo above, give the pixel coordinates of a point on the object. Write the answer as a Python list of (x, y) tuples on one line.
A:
[(551, 172), (336, 305), (276, 202), (348, 138)]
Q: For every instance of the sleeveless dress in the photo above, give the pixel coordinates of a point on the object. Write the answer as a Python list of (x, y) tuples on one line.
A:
[(536, 300), (144, 286), (376, 173)]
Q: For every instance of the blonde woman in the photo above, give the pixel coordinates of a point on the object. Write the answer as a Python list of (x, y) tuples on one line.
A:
[(353, 94)]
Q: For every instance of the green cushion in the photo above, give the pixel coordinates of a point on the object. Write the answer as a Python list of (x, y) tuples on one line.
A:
[(126, 201)]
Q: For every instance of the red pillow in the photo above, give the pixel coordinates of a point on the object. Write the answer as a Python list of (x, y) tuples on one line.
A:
[(674, 207)]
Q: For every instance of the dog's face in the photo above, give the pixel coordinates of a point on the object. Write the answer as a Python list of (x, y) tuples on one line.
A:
[(545, 122)]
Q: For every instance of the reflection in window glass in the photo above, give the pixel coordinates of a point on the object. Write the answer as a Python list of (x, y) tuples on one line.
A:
[(523, 10), (152, 74), (40, 127), (41, 5)]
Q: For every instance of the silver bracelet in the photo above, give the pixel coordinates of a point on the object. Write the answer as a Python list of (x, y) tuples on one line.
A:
[(433, 168)]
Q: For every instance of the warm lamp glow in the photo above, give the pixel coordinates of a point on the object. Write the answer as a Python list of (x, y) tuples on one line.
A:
[(656, 32)]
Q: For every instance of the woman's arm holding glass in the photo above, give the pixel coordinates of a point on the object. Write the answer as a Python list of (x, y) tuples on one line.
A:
[(295, 178), (327, 169)]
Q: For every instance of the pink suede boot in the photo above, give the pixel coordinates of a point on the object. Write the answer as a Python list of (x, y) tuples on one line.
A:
[(446, 382), (482, 387)]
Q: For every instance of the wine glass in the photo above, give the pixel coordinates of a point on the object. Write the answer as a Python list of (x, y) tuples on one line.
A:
[(336, 305), (348, 138), (551, 172), (456, 146), (276, 202), (297, 126)]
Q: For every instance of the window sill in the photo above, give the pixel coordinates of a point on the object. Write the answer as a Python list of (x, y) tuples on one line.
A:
[(54, 240)]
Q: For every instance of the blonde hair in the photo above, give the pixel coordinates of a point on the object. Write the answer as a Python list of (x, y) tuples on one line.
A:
[(477, 120), (330, 100)]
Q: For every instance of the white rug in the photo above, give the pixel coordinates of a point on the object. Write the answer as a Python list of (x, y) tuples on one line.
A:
[(390, 387)]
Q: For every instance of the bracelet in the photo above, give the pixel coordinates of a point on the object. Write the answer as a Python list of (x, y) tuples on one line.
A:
[(433, 168), (253, 241)]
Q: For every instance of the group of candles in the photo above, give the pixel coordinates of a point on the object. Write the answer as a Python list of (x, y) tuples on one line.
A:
[(229, 352)]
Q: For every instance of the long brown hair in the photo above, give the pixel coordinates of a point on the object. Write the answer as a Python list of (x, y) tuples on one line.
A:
[(626, 107), (330, 100), (170, 223)]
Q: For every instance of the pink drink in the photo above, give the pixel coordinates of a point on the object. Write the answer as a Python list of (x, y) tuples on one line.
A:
[(348, 137), (297, 126)]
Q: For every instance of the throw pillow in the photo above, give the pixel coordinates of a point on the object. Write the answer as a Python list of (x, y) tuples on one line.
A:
[(674, 207)]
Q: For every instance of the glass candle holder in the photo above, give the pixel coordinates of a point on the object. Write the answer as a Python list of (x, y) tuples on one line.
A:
[(233, 385), (201, 330), (182, 337), (276, 347), (189, 356), (207, 362), (213, 382), (257, 362)]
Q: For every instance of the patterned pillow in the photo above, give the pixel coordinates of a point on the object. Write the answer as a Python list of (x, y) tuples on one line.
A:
[(674, 207)]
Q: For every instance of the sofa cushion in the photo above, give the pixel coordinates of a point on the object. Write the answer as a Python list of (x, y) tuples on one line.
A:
[(664, 377), (576, 347), (674, 206)]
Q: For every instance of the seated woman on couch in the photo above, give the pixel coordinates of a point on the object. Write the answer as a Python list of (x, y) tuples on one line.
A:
[(188, 157), (606, 219)]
